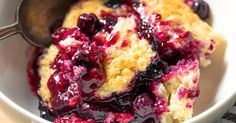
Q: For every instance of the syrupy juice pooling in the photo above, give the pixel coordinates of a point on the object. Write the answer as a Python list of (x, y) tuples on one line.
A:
[(79, 72), (32, 70)]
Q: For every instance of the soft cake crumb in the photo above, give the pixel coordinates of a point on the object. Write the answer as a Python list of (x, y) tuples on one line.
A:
[(123, 63), (45, 72), (171, 87)]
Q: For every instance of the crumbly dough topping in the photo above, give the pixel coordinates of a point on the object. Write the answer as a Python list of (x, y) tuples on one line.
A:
[(178, 11), (123, 63), (45, 72)]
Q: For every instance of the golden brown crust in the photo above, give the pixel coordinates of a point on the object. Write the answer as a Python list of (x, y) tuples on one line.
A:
[(45, 72), (178, 11)]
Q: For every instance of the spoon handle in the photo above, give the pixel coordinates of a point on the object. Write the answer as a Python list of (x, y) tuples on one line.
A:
[(9, 30)]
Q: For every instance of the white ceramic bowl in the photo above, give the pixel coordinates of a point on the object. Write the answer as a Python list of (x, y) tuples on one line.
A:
[(218, 84)]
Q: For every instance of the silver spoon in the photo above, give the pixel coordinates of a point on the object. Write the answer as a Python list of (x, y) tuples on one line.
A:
[(34, 18)]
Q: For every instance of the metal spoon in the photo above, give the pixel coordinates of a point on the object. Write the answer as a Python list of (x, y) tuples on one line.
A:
[(33, 19)]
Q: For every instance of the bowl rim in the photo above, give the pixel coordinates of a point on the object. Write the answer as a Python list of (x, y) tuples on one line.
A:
[(210, 111), (21, 110)]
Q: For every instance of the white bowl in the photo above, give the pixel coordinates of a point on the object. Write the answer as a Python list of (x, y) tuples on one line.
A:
[(218, 91)]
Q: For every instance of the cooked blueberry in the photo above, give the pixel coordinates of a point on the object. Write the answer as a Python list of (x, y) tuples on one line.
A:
[(201, 8), (108, 23), (88, 23), (114, 3), (108, 20), (91, 81), (143, 105), (92, 112), (154, 71), (72, 118)]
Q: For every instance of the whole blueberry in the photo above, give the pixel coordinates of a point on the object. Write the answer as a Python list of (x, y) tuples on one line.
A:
[(114, 3), (201, 8), (88, 23)]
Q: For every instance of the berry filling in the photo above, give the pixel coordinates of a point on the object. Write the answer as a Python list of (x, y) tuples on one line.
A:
[(88, 23), (78, 69)]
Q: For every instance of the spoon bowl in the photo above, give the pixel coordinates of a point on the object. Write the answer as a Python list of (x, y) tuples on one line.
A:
[(34, 19)]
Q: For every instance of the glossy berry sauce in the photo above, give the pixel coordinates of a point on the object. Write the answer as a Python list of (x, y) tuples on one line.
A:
[(79, 71)]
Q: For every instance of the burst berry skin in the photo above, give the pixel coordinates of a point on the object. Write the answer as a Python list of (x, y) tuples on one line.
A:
[(143, 105)]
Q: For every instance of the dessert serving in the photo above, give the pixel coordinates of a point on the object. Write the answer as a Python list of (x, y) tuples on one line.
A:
[(124, 61)]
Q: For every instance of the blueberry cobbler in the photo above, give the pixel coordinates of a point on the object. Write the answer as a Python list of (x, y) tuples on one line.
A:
[(124, 61)]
